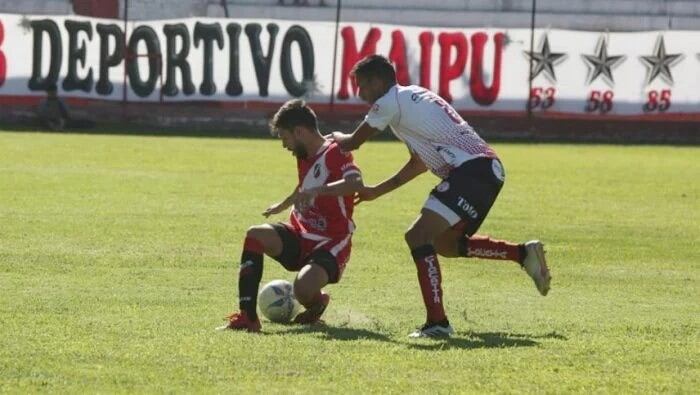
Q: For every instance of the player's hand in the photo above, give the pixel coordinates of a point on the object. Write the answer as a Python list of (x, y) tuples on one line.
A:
[(366, 194), (342, 139), (274, 209)]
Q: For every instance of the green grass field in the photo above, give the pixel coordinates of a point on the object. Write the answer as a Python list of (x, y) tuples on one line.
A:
[(119, 256)]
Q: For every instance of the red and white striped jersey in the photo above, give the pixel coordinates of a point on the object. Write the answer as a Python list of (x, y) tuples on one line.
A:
[(328, 217), (429, 126)]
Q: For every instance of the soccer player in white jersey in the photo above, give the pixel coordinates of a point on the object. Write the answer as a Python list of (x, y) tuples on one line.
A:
[(316, 240), (471, 174)]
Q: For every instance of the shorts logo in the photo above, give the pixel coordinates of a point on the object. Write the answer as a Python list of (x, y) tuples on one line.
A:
[(375, 107), (467, 208), (497, 168), (317, 170), (443, 186)]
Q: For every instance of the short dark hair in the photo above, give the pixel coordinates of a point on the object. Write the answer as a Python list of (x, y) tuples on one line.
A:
[(293, 113), (375, 66)]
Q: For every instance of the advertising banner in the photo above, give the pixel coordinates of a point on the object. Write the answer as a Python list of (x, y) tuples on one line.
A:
[(254, 60)]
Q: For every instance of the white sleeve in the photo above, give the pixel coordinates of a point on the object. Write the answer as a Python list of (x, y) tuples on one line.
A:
[(383, 112)]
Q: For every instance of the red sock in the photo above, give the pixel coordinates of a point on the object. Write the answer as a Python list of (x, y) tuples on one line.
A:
[(430, 281), (478, 246)]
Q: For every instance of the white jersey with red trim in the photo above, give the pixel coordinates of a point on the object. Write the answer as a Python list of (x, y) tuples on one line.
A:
[(327, 217), (429, 126)]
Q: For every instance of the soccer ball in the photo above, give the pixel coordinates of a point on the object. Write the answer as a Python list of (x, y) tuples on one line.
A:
[(277, 302)]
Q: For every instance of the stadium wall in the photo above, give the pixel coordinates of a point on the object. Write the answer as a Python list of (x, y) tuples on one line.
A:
[(587, 15), (239, 66)]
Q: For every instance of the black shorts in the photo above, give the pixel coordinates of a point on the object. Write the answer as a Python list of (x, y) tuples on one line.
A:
[(298, 251), (465, 197)]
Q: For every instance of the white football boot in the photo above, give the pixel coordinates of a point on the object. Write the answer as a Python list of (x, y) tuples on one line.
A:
[(535, 265)]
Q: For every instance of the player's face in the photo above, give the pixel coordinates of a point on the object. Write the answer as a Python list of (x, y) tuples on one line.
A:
[(370, 89), (291, 143)]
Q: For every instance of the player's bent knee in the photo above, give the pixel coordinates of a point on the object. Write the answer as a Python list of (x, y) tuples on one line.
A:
[(267, 236), (309, 281), (447, 244), (416, 237), (258, 231)]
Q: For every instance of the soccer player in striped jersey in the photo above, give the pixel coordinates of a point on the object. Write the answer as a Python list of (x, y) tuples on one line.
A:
[(471, 176), (316, 240)]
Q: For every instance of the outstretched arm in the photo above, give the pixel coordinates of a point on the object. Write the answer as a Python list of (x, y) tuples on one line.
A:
[(348, 186), (353, 141), (281, 206), (412, 169)]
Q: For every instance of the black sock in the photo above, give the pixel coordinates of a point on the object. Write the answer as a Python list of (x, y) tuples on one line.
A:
[(249, 278)]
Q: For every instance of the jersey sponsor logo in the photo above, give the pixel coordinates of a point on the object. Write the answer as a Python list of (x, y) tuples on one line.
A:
[(416, 96), (446, 153), (443, 186), (467, 207), (319, 223), (453, 155), (486, 253), (498, 171), (434, 277), (346, 166)]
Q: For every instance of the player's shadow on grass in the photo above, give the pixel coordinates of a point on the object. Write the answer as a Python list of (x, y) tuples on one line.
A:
[(475, 340), (464, 340), (341, 333)]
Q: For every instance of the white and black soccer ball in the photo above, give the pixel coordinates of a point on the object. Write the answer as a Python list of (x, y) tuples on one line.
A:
[(277, 302)]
